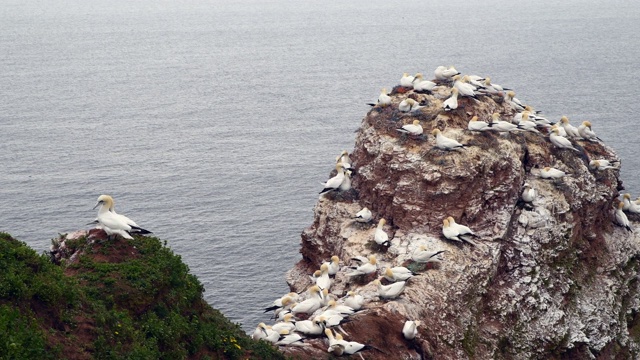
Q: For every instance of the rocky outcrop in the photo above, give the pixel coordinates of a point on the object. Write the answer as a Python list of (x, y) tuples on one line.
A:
[(555, 279)]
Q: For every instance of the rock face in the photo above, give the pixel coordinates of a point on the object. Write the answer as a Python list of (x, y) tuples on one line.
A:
[(555, 279)]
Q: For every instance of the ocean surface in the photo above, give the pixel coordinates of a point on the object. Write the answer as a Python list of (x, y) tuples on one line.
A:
[(212, 123)]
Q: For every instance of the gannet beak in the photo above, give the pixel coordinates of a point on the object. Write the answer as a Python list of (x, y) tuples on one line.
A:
[(99, 202)]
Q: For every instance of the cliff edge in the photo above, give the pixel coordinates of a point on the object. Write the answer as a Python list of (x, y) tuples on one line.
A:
[(554, 279)]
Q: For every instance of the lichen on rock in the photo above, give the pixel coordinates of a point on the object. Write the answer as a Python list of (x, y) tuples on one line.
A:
[(551, 279)]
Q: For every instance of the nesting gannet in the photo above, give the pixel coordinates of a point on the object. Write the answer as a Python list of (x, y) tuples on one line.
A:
[(422, 85), (561, 131), (586, 133), (421, 255), (281, 302), (551, 173), (365, 268), (311, 304), (381, 236), (528, 194), (571, 130), (324, 281), (452, 102), (475, 125), (560, 141), (528, 125), (353, 300), (501, 126), (383, 99), (334, 308), (344, 159), (333, 265), (345, 185), (410, 329), (444, 73), (457, 231), (413, 129), (492, 88), (406, 80), (464, 89), (513, 102), (311, 327), (335, 182), (445, 143), (264, 332), (113, 223), (364, 215), (521, 116), (630, 206), (390, 291), (397, 273), (409, 105), (287, 323), (289, 338), (621, 217), (341, 347), (602, 164), (476, 81)]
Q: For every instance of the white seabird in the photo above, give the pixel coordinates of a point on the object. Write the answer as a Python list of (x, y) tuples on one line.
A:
[(381, 238), (407, 80), (287, 323), (551, 173), (475, 125), (335, 182), (452, 102), (410, 329), (409, 105), (443, 73), (602, 164), (586, 133), (501, 126), (413, 129), (113, 223), (365, 268), (421, 255), (492, 88), (560, 141), (310, 305), (397, 273), (422, 85), (345, 185), (630, 206), (323, 281), (383, 99), (528, 194), (364, 215), (561, 131), (344, 159), (353, 300), (510, 98), (264, 332), (621, 217), (457, 231), (445, 143), (571, 130), (465, 89), (289, 338), (390, 291), (333, 265), (311, 327)]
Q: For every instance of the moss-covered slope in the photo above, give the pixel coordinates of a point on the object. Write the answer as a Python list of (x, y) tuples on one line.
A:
[(117, 299)]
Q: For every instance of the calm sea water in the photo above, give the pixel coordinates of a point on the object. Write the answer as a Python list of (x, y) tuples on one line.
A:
[(212, 123)]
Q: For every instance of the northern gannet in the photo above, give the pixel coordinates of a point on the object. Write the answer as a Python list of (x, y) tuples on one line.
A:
[(113, 223), (464, 89), (475, 80), (409, 105), (475, 125), (334, 308), (345, 160), (397, 273), (323, 281), (335, 182), (365, 268), (413, 129), (381, 238), (528, 125), (571, 130), (289, 338), (421, 255), (602, 164), (528, 194), (345, 185), (390, 291), (347, 347), (353, 300), (630, 206), (501, 126), (281, 302), (287, 323), (264, 332), (586, 133), (422, 85), (492, 88), (443, 73), (406, 80), (551, 173), (452, 102), (515, 104), (383, 99), (561, 131), (311, 304), (410, 329), (521, 116), (621, 217), (333, 265), (364, 215), (311, 327), (445, 143), (457, 231), (560, 141)]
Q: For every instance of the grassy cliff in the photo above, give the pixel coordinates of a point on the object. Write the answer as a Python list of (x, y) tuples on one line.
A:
[(117, 299)]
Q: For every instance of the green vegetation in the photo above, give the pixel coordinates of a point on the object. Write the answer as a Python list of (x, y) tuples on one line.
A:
[(121, 300)]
